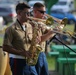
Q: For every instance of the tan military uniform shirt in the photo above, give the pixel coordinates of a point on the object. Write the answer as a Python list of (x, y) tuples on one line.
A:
[(43, 31), (16, 37)]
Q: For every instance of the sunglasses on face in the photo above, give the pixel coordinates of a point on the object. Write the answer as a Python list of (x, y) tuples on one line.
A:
[(41, 11), (27, 13)]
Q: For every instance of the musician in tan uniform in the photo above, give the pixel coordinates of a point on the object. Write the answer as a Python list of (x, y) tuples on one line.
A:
[(18, 40), (42, 65)]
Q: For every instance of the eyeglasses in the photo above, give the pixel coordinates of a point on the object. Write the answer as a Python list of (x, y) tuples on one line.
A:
[(41, 11)]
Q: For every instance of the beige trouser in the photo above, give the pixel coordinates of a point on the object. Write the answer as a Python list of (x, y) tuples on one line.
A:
[(4, 63)]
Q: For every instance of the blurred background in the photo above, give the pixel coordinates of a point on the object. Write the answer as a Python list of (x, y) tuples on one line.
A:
[(56, 8)]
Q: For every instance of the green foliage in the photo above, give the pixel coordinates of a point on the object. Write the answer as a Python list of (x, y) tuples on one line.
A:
[(51, 63), (70, 27), (75, 3), (27, 0), (1, 41), (49, 4)]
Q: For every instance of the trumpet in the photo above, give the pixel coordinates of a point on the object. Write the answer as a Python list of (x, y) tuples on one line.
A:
[(55, 24)]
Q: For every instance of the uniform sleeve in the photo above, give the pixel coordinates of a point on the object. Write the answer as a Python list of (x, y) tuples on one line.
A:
[(8, 36)]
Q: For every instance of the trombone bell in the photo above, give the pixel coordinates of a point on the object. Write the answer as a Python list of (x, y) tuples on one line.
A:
[(64, 21)]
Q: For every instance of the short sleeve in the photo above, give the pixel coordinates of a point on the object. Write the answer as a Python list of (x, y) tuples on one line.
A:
[(8, 36)]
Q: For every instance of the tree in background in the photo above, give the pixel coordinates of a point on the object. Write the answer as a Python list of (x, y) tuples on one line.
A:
[(28, 0), (49, 4)]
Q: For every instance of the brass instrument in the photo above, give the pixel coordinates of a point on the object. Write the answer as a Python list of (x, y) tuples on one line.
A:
[(56, 24), (50, 20), (69, 33), (59, 21), (34, 49), (5, 68), (64, 31)]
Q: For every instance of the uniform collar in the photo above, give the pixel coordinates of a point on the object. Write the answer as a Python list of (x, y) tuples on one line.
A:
[(18, 25)]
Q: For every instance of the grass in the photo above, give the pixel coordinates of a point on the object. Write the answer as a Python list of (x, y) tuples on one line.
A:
[(1, 40), (70, 27), (51, 63)]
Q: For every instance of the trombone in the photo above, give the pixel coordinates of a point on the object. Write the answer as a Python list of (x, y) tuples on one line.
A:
[(55, 24), (64, 30), (50, 20)]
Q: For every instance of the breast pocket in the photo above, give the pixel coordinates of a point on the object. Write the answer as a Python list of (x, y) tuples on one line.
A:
[(29, 33), (19, 35)]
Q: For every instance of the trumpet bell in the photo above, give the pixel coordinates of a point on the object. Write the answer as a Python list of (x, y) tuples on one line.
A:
[(50, 21), (64, 21)]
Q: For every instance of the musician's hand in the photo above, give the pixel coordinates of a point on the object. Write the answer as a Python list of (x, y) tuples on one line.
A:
[(60, 28), (38, 39), (26, 53)]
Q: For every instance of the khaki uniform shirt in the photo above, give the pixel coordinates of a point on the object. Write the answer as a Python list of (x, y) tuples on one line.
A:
[(16, 37), (43, 31)]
